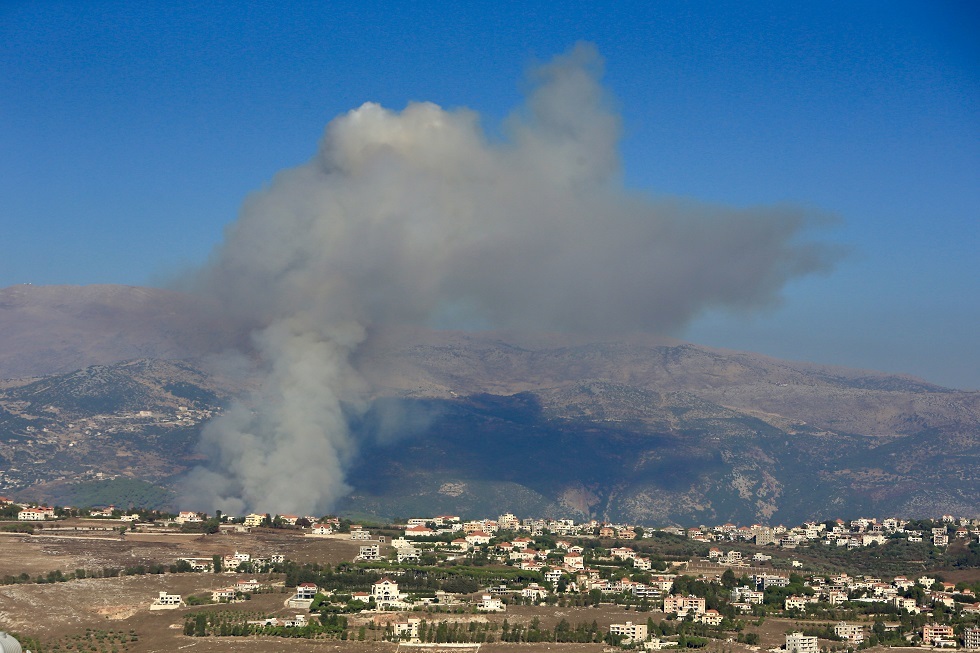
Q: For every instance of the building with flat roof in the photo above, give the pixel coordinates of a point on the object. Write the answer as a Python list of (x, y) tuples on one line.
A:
[(800, 643)]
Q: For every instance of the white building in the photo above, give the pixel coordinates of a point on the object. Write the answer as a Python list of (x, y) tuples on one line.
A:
[(630, 631), (971, 638), (166, 601), (254, 520), (853, 633), (800, 643), (488, 603)]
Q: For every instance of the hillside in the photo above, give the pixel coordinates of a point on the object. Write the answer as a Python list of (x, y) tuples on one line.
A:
[(645, 429)]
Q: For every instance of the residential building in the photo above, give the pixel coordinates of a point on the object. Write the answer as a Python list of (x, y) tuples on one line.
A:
[(254, 520), (683, 605), (971, 638), (800, 643), (166, 601), (853, 633), (630, 631), (488, 603), (936, 633)]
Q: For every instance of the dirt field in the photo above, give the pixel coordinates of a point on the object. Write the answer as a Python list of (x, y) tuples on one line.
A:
[(45, 552)]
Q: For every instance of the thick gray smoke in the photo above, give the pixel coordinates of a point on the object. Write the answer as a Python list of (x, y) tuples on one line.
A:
[(414, 216)]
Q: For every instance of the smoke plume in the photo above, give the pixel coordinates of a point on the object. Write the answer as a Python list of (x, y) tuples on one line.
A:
[(416, 216)]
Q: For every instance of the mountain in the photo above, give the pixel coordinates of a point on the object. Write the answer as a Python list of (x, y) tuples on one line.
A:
[(643, 429)]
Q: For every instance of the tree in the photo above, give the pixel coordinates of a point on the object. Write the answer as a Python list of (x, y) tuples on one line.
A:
[(216, 563), (728, 579)]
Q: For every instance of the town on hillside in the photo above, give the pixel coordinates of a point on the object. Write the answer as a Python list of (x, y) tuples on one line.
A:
[(509, 582)]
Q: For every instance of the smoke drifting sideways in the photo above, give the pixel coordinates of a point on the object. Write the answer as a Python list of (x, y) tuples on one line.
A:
[(408, 217)]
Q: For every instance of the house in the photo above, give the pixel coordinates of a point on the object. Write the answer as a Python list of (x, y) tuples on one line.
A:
[(306, 591), (710, 617), (371, 552), (254, 520), (747, 595), (419, 531), (188, 517), (406, 630), (359, 533), (797, 602), (250, 585), (853, 633), (800, 643), (407, 554), (166, 601), (663, 583), (223, 595), (289, 519), (936, 634), (839, 597), (534, 592), (31, 514), (682, 605), (385, 591), (488, 603), (321, 530), (477, 538), (629, 631), (622, 553), (574, 561), (908, 605)]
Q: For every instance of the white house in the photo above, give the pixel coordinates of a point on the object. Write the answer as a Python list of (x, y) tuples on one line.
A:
[(489, 603), (166, 601), (223, 595)]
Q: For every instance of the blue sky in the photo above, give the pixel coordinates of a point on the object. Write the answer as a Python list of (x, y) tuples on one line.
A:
[(131, 132)]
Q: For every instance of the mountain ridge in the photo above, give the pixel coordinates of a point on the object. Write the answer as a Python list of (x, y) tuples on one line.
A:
[(643, 429)]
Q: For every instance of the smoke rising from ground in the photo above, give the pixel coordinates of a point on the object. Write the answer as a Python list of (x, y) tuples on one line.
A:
[(414, 216)]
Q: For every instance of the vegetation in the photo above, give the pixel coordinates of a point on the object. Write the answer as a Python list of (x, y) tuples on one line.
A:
[(126, 492)]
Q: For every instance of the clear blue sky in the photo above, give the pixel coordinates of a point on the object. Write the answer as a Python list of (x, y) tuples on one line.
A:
[(131, 132)]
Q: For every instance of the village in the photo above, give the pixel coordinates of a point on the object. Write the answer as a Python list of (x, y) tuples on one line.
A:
[(505, 581)]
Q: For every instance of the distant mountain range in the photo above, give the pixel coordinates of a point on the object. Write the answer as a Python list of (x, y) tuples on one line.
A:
[(646, 430)]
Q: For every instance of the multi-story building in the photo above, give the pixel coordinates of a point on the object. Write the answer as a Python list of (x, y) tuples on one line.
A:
[(971, 638), (800, 643), (933, 633), (853, 633), (683, 605), (630, 631)]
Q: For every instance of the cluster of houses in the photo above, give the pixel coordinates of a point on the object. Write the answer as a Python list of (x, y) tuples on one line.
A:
[(865, 589), (855, 533), (935, 635), (233, 562)]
